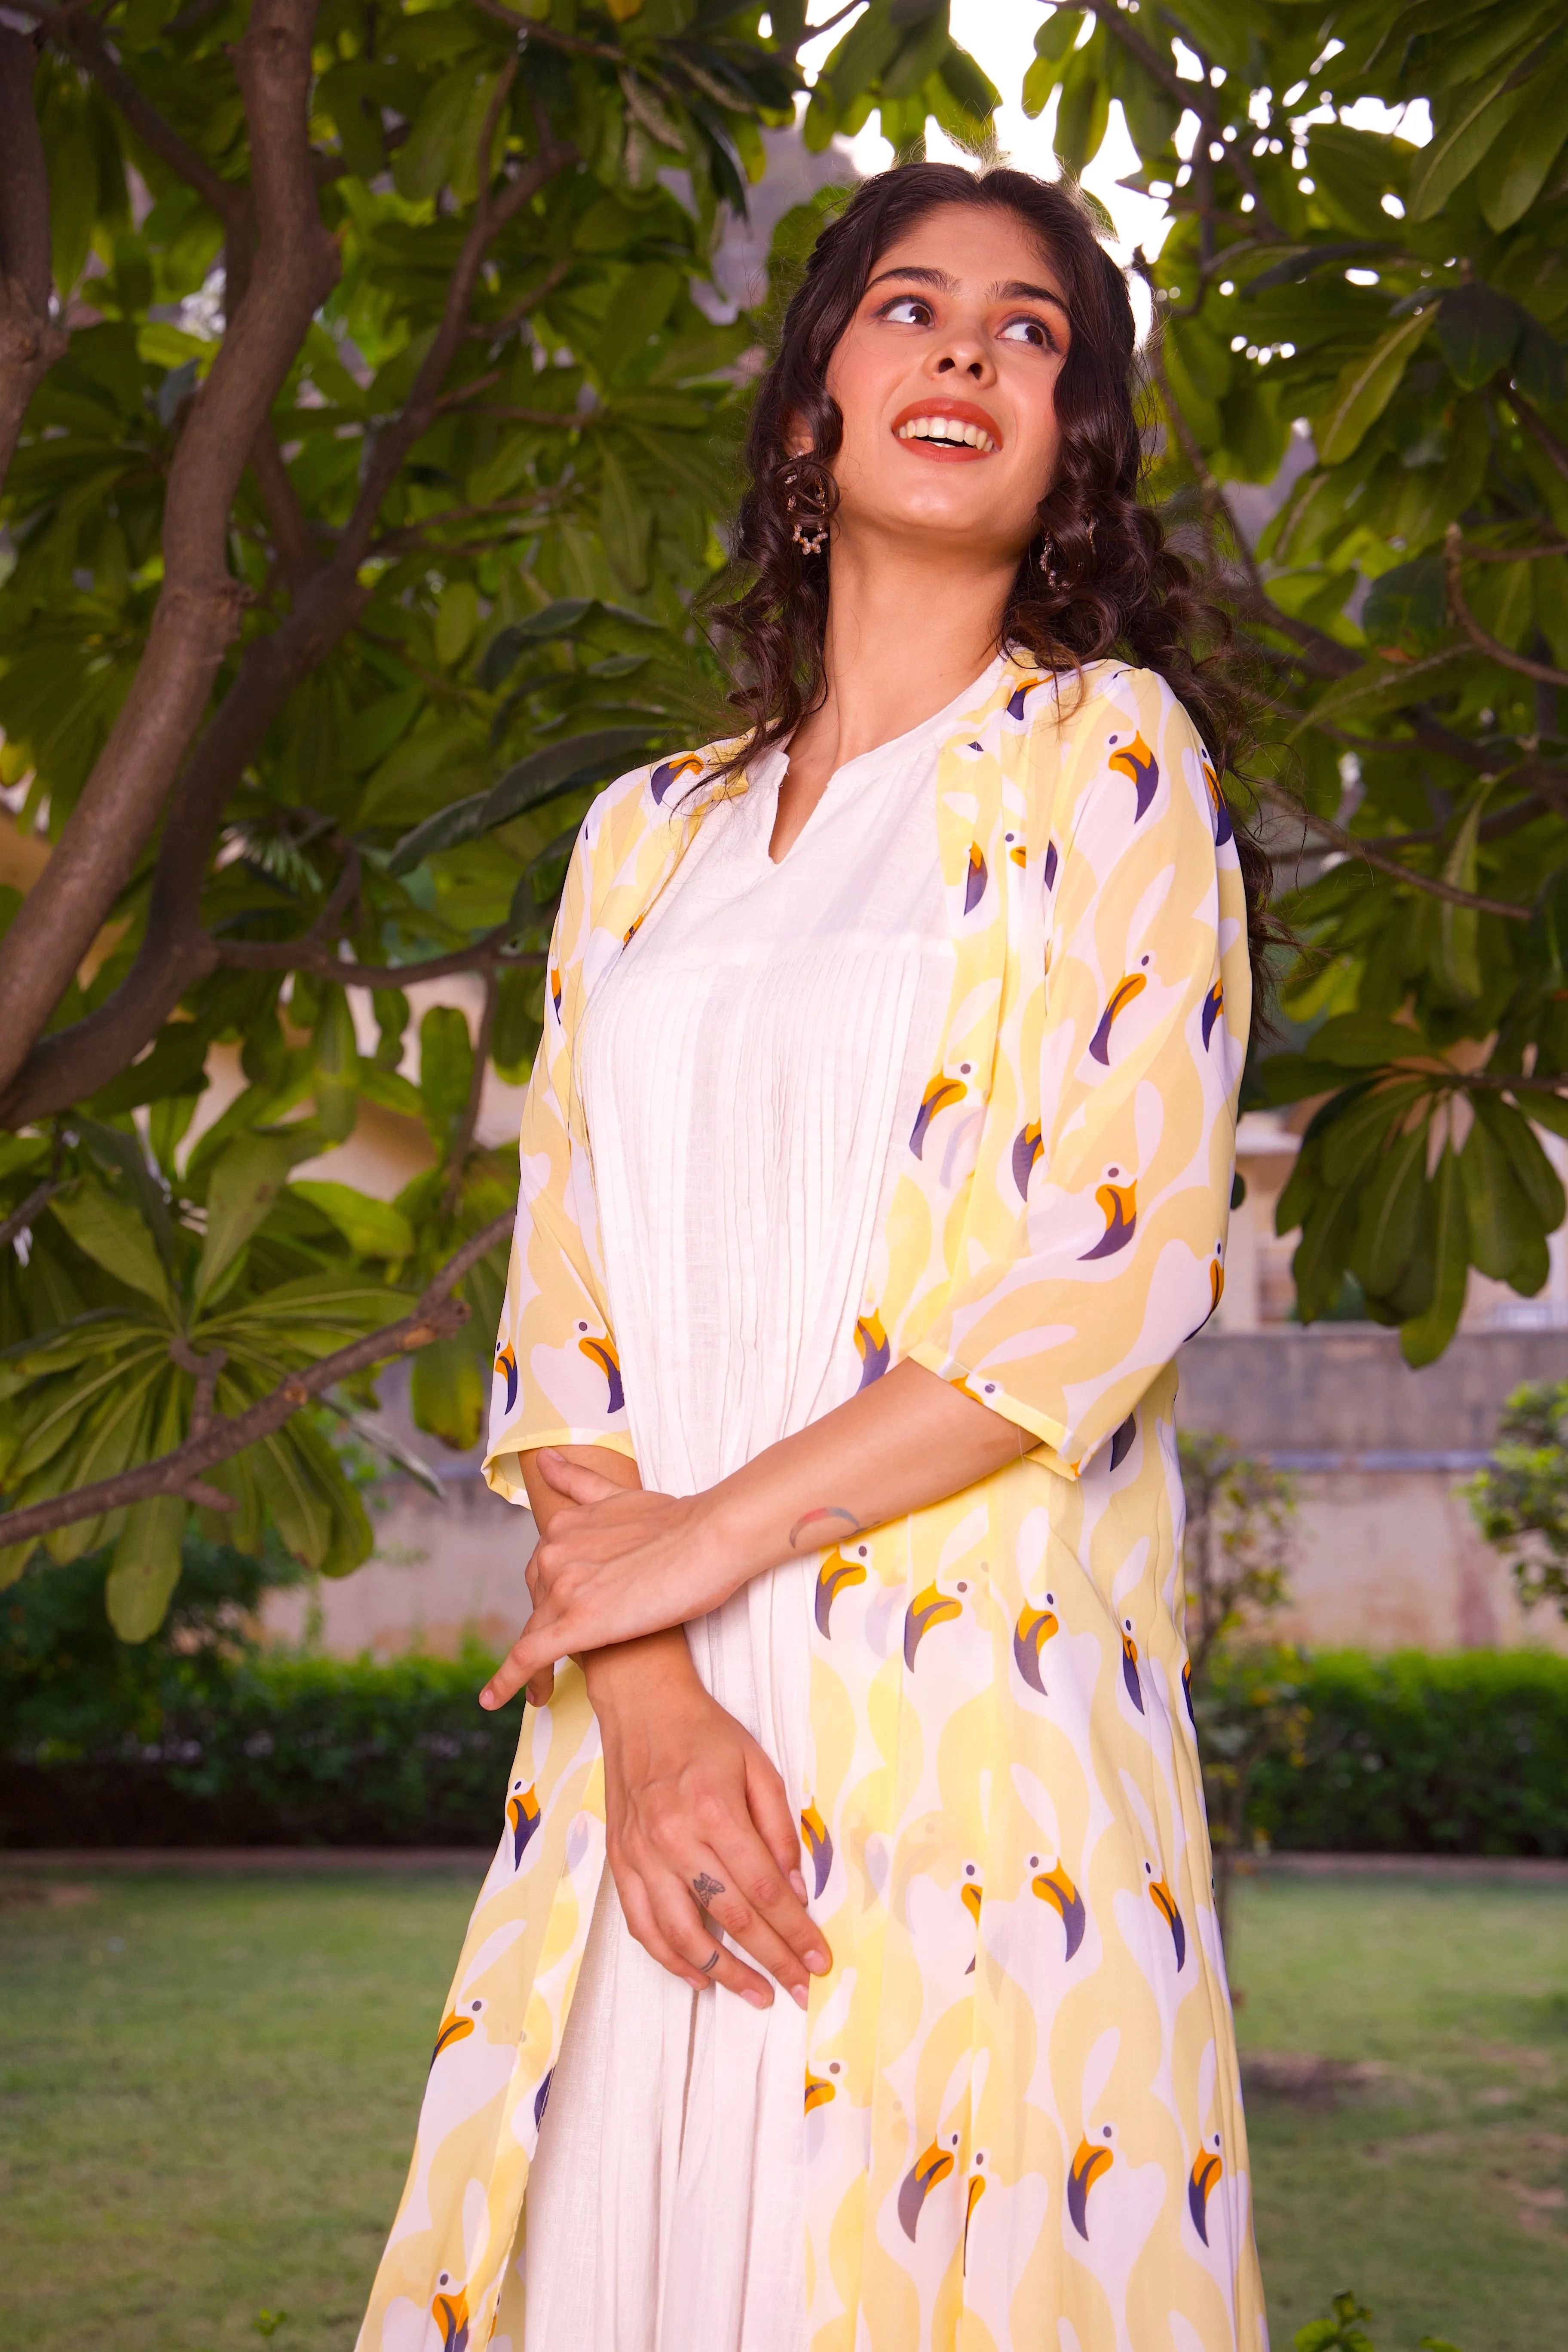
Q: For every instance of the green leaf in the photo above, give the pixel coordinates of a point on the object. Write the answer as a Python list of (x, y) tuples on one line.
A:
[(1515, 173), (1409, 602), (1533, 1172), (1502, 1223), (1462, 135), (449, 1392), (1390, 1215), (445, 1070), (372, 1228), (1478, 329), (335, 1052), (175, 1067), (1323, 1252), (567, 766), (1423, 1339), (626, 521), (458, 823), (246, 1177), (146, 1567), (1363, 1041), (457, 618), (111, 1232), (1366, 384)]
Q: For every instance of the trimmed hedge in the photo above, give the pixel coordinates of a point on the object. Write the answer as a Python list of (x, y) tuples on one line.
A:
[(1412, 1754), (1407, 1754)]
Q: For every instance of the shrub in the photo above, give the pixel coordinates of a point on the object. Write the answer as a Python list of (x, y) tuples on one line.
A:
[(1415, 1754)]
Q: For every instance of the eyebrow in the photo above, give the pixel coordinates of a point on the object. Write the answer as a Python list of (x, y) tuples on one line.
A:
[(1016, 289)]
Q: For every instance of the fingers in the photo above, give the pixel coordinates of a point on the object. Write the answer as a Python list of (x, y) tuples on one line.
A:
[(666, 1921), (540, 1688), (752, 1901), (531, 1656), (575, 1479), (770, 1810)]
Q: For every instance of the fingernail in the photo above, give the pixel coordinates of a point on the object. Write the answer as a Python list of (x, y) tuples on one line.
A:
[(817, 1963), (487, 1698), (758, 1999), (798, 1882), (800, 1995)]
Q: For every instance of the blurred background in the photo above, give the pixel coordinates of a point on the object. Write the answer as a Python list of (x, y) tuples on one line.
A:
[(371, 380)]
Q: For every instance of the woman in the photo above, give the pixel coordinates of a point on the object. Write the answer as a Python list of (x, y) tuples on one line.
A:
[(876, 1163)]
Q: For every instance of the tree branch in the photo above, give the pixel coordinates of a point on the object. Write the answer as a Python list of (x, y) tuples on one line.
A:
[(200, 603), (486, 955), (78, 35), (1193, 95), (1536, 428), (1481, 638), (21, 1217), (1433, 884), (30, 342), (437, 1316)]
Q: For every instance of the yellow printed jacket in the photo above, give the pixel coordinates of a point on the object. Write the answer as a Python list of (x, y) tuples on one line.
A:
[(1023, 2128)]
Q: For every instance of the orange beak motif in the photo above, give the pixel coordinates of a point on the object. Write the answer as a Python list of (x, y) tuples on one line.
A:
[(1034, 1629), (1205, 2172), (942, 1092), (1132, 984), (922, 2177), (1055, 1888), (603, 1353), (1093, 2159), (819, 1845), (1138, 764), (832, 1576), (506, 1366), (1118, 1204), (872, 1345), (927, 1609)]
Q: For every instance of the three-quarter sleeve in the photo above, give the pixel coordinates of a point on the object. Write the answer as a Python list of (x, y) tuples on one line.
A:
[(557, 1369), (1095, 1231)]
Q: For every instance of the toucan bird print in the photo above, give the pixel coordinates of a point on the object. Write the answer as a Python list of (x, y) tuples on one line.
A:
[(1028, 1146), (1130, 985), (932, 2165), (505, 1368), (668, 774), (1213, 1006), (941, 1094), (1201, 2181), (1034, 1629), (1164, 1902), (450, 2313), (971, 1895), (522, 1819), (1130, 1666), (1117, 1200), (1122, 1440), (1219, 811), (819, 1846), (603, 1353), (871, 1345), (457, 2026), (1093, 2160), (1135, 760), (1055, 1888), (976, 878), (928, 1608), (976, 2191), (818, 2091), (835, 1574)]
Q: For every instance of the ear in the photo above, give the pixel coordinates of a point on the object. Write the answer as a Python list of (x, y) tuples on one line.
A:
[(797, 437)]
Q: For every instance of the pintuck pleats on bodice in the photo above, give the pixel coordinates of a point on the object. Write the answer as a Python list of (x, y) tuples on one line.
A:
[(955, 1080)]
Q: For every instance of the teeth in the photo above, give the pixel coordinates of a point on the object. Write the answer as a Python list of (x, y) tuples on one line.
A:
[(947, 428)]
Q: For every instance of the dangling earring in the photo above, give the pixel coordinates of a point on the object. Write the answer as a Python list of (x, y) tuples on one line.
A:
[(1048, 548), (810, 533)]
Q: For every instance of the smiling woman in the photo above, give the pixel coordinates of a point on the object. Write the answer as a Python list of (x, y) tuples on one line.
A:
[(875, 1164)]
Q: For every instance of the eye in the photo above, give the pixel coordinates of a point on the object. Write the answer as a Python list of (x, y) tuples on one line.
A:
[(1031, 330), (907, 311)]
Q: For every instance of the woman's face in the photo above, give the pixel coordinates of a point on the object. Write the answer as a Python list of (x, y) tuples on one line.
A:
[(946, 381)]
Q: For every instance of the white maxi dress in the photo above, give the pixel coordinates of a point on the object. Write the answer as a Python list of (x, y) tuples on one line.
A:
[(747, 1069)]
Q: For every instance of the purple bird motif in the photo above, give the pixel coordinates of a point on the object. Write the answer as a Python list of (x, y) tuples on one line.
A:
[(457, 2026), (1202, 2181), (1213, 1006), (1164, 1902), (450, 2313), (932, 2165), (1130, 985), (669, 772), (1138, 764), (1052, 862), (976, 2191), (1130, 1666), (972, 1895), (975, 879), (1094, 2159), (1118, 1204), (819, 1846), (1122, 1443), (1027, 1146), (1187, 1692), (633, 927), (1219, 813), (1025, 688), (541, 2098), (834, 1577), (928, 1608), (505, 1368), (1055, 1888), (871, 1347), (1034, 1629), (603, 1353), (555, 990), (818, 2091), (522, 1819), (941, 1093)]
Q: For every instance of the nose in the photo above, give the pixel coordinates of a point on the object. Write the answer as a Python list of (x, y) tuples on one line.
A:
[(965, 353)]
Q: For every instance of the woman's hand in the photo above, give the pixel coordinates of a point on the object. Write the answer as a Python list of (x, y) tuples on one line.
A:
[(613, 1563), (699, 1831)]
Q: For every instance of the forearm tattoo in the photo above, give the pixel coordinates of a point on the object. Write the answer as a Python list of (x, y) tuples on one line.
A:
[(814, 1519), (706, 1888)]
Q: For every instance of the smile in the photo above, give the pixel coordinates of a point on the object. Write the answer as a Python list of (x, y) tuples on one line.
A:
[(952, 428)]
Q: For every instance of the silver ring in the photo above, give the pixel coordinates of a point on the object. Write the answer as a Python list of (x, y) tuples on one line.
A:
[(706, 1968)]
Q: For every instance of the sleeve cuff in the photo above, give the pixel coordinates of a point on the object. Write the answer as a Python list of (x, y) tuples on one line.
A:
[(1054, 1449), (501, 1468)]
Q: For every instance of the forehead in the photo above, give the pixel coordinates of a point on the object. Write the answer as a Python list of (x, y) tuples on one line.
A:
[(978, 246)]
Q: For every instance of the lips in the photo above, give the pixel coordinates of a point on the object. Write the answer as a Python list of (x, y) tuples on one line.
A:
[(948, 429)]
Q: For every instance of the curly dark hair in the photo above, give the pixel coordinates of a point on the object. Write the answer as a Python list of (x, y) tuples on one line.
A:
[(1113, 585)]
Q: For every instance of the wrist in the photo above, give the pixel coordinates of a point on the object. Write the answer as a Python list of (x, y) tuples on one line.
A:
[(655, 1670)]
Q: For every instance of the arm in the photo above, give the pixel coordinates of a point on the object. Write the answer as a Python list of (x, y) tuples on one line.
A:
[(690, 1796)]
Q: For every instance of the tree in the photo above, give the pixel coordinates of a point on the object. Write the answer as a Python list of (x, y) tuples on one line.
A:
[(1243, 1687), (368, 413), (1520, 1499), (1407, 606)]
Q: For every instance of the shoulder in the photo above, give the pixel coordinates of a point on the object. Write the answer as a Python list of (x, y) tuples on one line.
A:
[(1118, 728), (643, 802)]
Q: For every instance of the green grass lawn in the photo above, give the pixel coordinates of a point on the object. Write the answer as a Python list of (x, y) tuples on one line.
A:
[(207, 2090)]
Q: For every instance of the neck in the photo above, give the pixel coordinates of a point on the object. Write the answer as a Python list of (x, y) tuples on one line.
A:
[(907, 631)]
